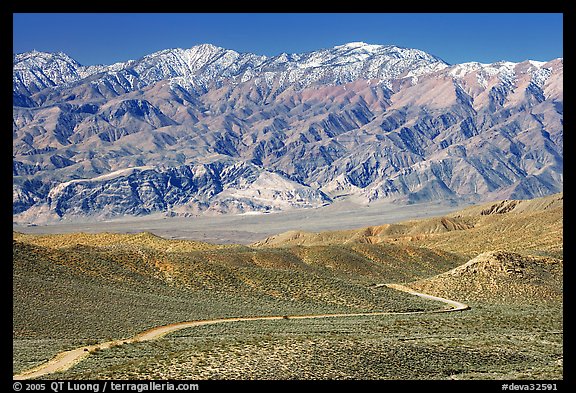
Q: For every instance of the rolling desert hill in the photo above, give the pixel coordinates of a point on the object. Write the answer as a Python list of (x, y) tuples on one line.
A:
[(106, 239), (78, 289), (501, 277), (524, 226), (64, 285), (77, 294)]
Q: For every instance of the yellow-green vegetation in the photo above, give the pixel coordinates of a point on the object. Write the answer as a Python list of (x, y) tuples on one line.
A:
[(503, 259), (69, 291), (490, 342), (107, 239)]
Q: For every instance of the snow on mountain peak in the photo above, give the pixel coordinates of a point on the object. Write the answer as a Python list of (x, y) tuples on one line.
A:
[(35, 70), (201, 66), (537, 64), (355, 45), (35, 57), (363, 47)]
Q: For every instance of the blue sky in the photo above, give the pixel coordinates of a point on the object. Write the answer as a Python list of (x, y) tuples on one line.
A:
[(105, 38)]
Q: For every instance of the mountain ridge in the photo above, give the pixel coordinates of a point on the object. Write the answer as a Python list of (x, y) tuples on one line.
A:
[(372, 121), (184, 63)]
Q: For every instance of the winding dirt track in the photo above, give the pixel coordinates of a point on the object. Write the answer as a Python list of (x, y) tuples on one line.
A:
[(64, 360)]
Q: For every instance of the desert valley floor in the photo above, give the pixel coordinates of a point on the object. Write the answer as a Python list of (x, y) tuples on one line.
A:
[(504, 259)]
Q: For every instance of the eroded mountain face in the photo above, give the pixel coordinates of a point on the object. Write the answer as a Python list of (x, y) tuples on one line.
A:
[(205, 129)]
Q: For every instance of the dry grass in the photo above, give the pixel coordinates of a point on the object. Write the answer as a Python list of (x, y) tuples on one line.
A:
[(107, 239), (500, 277), (529, 227)]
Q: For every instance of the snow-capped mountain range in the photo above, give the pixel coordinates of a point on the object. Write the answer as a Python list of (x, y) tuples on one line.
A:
[(203, 65), (207, 129)]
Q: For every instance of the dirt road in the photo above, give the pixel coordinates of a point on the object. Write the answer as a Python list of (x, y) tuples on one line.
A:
[(64, 360)]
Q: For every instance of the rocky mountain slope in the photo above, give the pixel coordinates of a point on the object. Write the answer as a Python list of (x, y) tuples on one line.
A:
[(206, 129)]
